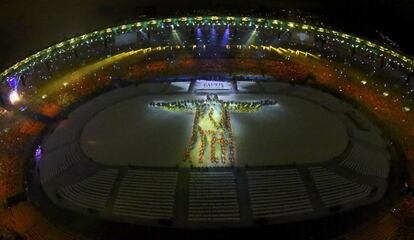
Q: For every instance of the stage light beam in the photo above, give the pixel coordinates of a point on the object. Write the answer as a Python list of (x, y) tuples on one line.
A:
[(252, 37), (226, 37)]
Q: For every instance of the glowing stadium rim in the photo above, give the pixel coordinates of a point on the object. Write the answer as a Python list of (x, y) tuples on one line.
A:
[(260, 23)]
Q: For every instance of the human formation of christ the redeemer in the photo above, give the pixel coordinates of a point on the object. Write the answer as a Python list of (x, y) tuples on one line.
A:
[(212, 140)]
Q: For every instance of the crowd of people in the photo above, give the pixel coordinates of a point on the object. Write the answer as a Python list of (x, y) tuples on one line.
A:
[(24, 219)]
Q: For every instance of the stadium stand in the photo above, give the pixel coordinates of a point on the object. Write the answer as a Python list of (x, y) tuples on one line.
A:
[(92, 192), (213, 197), (59, 160), (275, 193), (335, 190), (147, 194), (367, 161)]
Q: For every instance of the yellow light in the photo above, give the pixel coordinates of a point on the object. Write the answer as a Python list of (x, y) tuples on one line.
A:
[(65, 84), (44, 96), (364, 82), (14, 97), (386, 94), (406, 109)]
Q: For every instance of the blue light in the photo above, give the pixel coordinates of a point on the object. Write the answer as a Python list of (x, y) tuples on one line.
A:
[(199, 35), (226, 36), (13, 82), (213, 35)]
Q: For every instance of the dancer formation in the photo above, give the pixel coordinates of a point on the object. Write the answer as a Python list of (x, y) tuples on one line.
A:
[(212, 140)]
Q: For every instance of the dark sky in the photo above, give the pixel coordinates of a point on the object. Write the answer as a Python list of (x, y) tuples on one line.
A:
[(30, 25)]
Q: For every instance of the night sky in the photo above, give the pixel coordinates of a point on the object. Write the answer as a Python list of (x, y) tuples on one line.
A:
[(30, 25)]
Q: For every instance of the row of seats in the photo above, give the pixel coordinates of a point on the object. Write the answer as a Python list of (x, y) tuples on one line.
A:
[(368, 162), (213, 197), (147, 194), (275, 193), (336, 190), (55, 162), (92, 192)]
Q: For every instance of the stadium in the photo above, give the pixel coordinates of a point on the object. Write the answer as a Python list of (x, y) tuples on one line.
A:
[(218, 125)]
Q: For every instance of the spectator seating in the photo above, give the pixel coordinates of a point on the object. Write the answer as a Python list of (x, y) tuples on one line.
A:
[(55, 162), (213, 197), (368, 162), (92, 192), (147, 194), (335, 190), (275, 193)]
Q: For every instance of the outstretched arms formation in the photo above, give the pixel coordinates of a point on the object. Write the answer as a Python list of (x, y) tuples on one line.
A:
[(243, 107), (177, 106)]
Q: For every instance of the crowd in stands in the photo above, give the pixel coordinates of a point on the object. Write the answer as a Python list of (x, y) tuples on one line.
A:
[(25, 220)]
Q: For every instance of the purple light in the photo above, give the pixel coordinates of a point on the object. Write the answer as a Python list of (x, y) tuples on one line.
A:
[(199, 35), (213, 35), (13, 82), (226, 36), (38, 153)]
